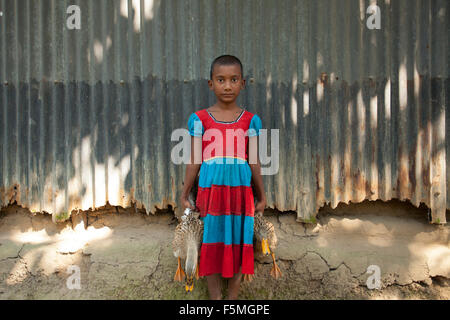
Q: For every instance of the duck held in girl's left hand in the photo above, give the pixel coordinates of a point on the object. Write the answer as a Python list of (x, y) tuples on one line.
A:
[(266, 241)]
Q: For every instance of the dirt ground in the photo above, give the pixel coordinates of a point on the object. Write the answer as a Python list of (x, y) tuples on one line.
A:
[(127, 255)]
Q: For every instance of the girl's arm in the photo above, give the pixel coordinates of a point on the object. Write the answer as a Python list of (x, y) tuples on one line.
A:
[(192, 170), (255, 166)]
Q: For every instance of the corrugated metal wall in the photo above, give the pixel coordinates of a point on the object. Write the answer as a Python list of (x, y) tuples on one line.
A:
[(86, 115)]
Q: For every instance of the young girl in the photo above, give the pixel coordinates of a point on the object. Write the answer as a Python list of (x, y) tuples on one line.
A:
[(224, 150)]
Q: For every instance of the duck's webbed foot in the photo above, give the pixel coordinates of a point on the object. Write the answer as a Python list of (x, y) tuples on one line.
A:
[(196, 272), (179, 274), (275, 271)]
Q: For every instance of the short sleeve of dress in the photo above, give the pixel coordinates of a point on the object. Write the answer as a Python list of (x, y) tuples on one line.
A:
[(195, 126), (255, 126)]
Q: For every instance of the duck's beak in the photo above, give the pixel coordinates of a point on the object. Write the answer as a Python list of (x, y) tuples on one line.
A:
[(265, 247), (189, 288)]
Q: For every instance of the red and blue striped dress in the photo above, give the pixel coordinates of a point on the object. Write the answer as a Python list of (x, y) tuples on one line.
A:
[(225, 198)]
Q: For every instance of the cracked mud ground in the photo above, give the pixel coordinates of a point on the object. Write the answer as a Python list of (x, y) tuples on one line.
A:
[(128, 255)]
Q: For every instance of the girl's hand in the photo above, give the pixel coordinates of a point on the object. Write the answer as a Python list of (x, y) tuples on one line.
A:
[(185, 203), (260, 205)]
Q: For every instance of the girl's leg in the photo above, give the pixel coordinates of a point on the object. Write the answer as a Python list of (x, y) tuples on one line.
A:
[(233, 286), (214, 287)]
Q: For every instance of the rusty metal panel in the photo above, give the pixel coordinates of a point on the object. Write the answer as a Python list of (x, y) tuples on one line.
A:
[(86, 115)]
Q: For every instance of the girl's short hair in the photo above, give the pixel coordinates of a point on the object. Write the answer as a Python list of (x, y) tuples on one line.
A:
[(226, 60)]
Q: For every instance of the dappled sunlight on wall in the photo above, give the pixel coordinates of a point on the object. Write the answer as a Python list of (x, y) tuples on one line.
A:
[(361, 112)]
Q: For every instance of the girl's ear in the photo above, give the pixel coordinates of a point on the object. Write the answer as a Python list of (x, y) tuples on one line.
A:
[(210, 84), (243, 84)]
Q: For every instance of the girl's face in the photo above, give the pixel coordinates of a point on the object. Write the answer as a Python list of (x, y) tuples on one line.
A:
[(226, 82)]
